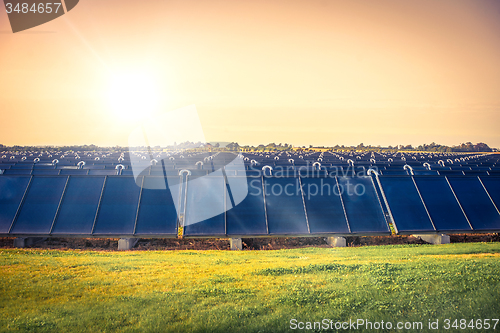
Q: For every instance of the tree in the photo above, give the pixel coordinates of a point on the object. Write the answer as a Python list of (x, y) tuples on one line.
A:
[(233, 146), (482, 147)]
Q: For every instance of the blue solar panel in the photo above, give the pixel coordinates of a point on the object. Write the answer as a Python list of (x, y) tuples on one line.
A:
[(362, 205), (74, 172), (157, 213), (407, 209), (118, 208), (249, 216), (79, 206), (40, 205), (205, 206), (45, 172), (325, 212), (285, 207), (102, 172), (476, 204), (11, 193), (441, 204), (492, 185), (17, 172)]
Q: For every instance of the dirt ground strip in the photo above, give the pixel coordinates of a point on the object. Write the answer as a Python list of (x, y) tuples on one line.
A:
[(107, 244)]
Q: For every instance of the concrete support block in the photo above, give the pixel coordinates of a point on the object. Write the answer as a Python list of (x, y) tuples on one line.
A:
[(27, 241), (235, 244), (19, 242), (336, 241), (435, 239), (127, 243)]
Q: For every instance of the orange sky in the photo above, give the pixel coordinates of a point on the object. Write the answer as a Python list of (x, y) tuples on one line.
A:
[(302, 72)]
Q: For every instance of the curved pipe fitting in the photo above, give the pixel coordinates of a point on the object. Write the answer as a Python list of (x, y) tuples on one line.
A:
[(407, 167), (265, 167), (120, 168)]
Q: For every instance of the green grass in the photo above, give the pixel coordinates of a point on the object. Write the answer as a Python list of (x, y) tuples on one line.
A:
[(247, 291)]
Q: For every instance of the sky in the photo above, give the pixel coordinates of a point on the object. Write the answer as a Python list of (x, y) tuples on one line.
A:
[(302, 72)]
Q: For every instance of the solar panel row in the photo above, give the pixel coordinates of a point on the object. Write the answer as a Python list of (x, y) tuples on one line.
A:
[(219, 205), (214, 206), (421, 204), (89, 205), (283, 206)]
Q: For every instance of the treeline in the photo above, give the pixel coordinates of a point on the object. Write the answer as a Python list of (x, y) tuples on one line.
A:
[(270, 146), (234, 146), (463, 147), (55, 148)]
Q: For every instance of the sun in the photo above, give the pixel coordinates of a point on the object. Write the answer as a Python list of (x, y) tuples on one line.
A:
[(133, 96)]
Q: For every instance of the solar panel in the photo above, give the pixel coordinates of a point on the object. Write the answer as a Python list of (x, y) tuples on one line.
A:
[(284, 206), (406, 207), (45, 172), (79, 206), (97, 172), (157, 213), (118, 207), (476, 203), (441, 204), (11, 193), (75, 172), (17, 172), (40, 205), (492, 185), (362, 205), (205, 206), (249, 216), (325, 212)]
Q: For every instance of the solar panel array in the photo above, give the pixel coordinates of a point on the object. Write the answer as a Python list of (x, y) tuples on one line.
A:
[(423, 204), (289, 194), (84, 206)]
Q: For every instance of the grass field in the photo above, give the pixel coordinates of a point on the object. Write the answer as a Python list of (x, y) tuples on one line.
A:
[(247, 291)]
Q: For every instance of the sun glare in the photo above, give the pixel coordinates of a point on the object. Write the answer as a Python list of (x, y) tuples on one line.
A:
[(133, 96)]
